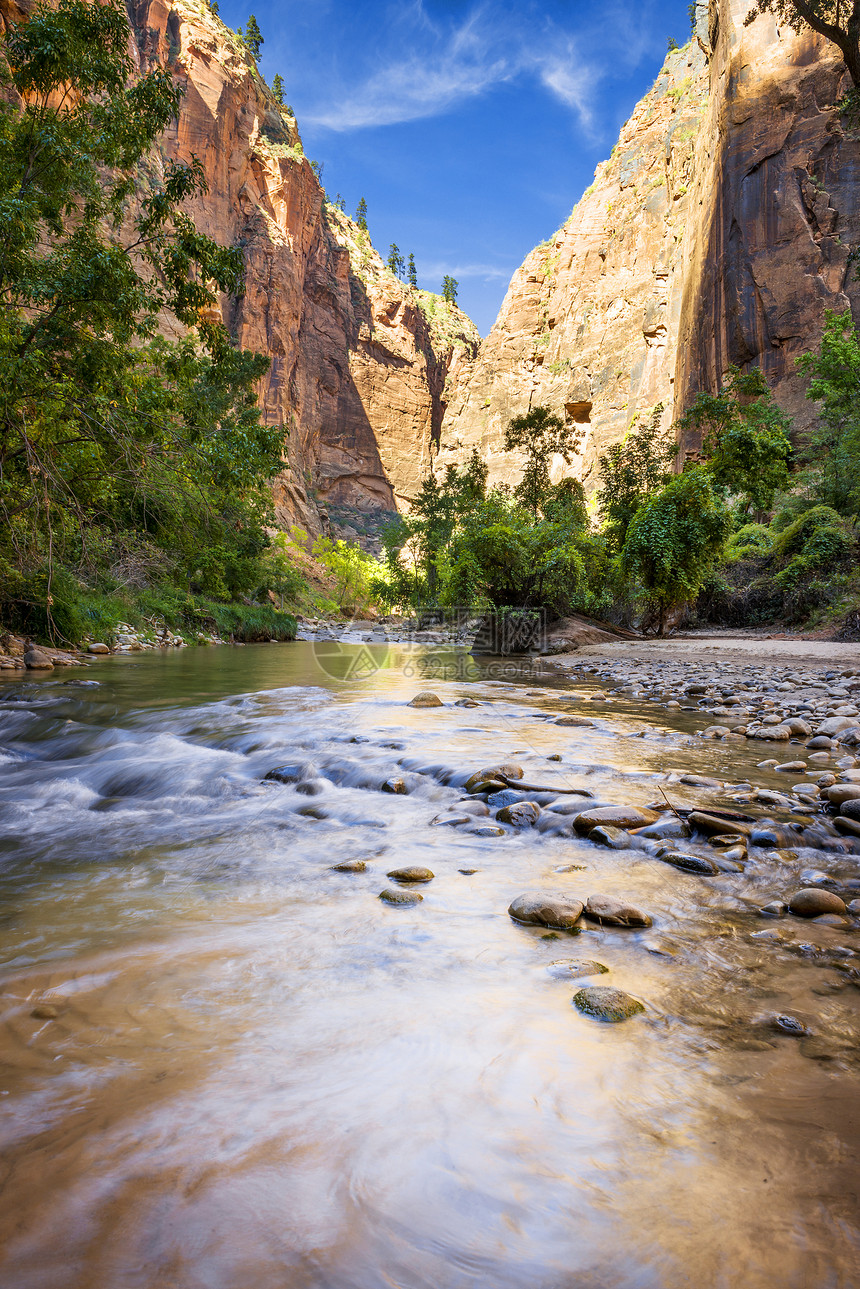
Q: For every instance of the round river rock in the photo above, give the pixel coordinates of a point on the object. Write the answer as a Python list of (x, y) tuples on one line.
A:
[(415, 874), (616, 817), (611, 912), (557, 911), (604, 1002), (812, 902)]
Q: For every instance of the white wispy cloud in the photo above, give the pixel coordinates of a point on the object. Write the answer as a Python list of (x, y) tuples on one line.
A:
[(489, 47), (488, 272)]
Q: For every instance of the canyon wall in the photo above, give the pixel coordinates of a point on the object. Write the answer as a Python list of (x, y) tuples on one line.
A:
[(359, 361), (717, 233)]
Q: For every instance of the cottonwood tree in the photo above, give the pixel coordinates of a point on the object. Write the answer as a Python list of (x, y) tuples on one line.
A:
[(541, 435), (111, 437), (837, 20)]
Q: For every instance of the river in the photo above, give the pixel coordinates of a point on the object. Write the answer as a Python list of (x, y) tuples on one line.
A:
[(227, 1066)]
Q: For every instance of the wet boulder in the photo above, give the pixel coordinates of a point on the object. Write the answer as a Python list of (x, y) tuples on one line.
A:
[(414, 874), (350, 866), (611, 912), (850, 810), (287, 773), (397, 787), (37, 660), (401, 898), (813, 901), (426, 699), (614, 838), (559, 912), (603, 1002), (574, 721), (523, 814), (615, 817), (493, 774), (690, 863)]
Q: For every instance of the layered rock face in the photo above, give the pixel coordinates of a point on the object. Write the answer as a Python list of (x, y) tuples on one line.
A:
[(717, 233), (358, 360)]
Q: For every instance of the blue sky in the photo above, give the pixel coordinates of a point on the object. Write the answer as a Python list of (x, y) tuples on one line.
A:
[(471, 129)]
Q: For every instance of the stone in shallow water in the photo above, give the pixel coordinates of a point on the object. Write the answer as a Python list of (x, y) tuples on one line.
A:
[(400, 897), (614, 838), (350, 866), (395, 786), (573, 968), (812, 902), (524, 814), (45, 1011), (494, 774), (486, 830), (546, 910), (690, 863), (612, 912), (466, 702), (413, 874), (426, 699), (615, 817), (574, 721), (603, 1002)]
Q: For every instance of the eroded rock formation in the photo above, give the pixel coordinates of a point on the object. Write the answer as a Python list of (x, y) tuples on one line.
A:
[(358, 360), (718, 232)]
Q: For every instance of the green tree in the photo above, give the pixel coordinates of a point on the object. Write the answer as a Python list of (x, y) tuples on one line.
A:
[(745, 438), (253, 37), (500, 556), (214, 6), (412, 272), (631, 470), (675, 539), (395, 260), (278, 88), (361, 214), (671, 45), (450, 286), (540, 434), (113, 439), (837, 20), (830, 457)]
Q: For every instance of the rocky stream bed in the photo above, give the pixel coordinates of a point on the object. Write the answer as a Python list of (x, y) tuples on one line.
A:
[(411, 970)]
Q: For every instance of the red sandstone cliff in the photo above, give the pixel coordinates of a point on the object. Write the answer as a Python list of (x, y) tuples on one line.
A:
[(358, 360), (717, 233)]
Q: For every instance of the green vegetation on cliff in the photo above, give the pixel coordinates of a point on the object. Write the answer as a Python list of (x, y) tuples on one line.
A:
[(130, 465)]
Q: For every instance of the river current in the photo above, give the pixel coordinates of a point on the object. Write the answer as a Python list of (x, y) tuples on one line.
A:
[(227, 1066)]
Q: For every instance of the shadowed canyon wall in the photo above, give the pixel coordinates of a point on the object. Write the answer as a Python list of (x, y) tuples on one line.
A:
[(358, 360), (718, 233)]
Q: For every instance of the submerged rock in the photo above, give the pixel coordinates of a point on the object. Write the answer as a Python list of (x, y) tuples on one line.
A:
[(400, 897), (813, 901), (612, 912), (615, 817), (350, 866), (567, 968), (546, 910), (603, 1002), (493, 774), (524, 814), (413, 874), (426, 699), (690, 863)]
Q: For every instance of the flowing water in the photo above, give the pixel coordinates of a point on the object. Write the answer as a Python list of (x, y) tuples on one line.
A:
[(247, 1072)]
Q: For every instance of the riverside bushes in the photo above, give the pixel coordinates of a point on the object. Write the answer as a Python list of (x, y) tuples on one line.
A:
[(128, 463)]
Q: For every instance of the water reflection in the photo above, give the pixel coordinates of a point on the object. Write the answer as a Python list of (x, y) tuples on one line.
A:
[(257, 1074)]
